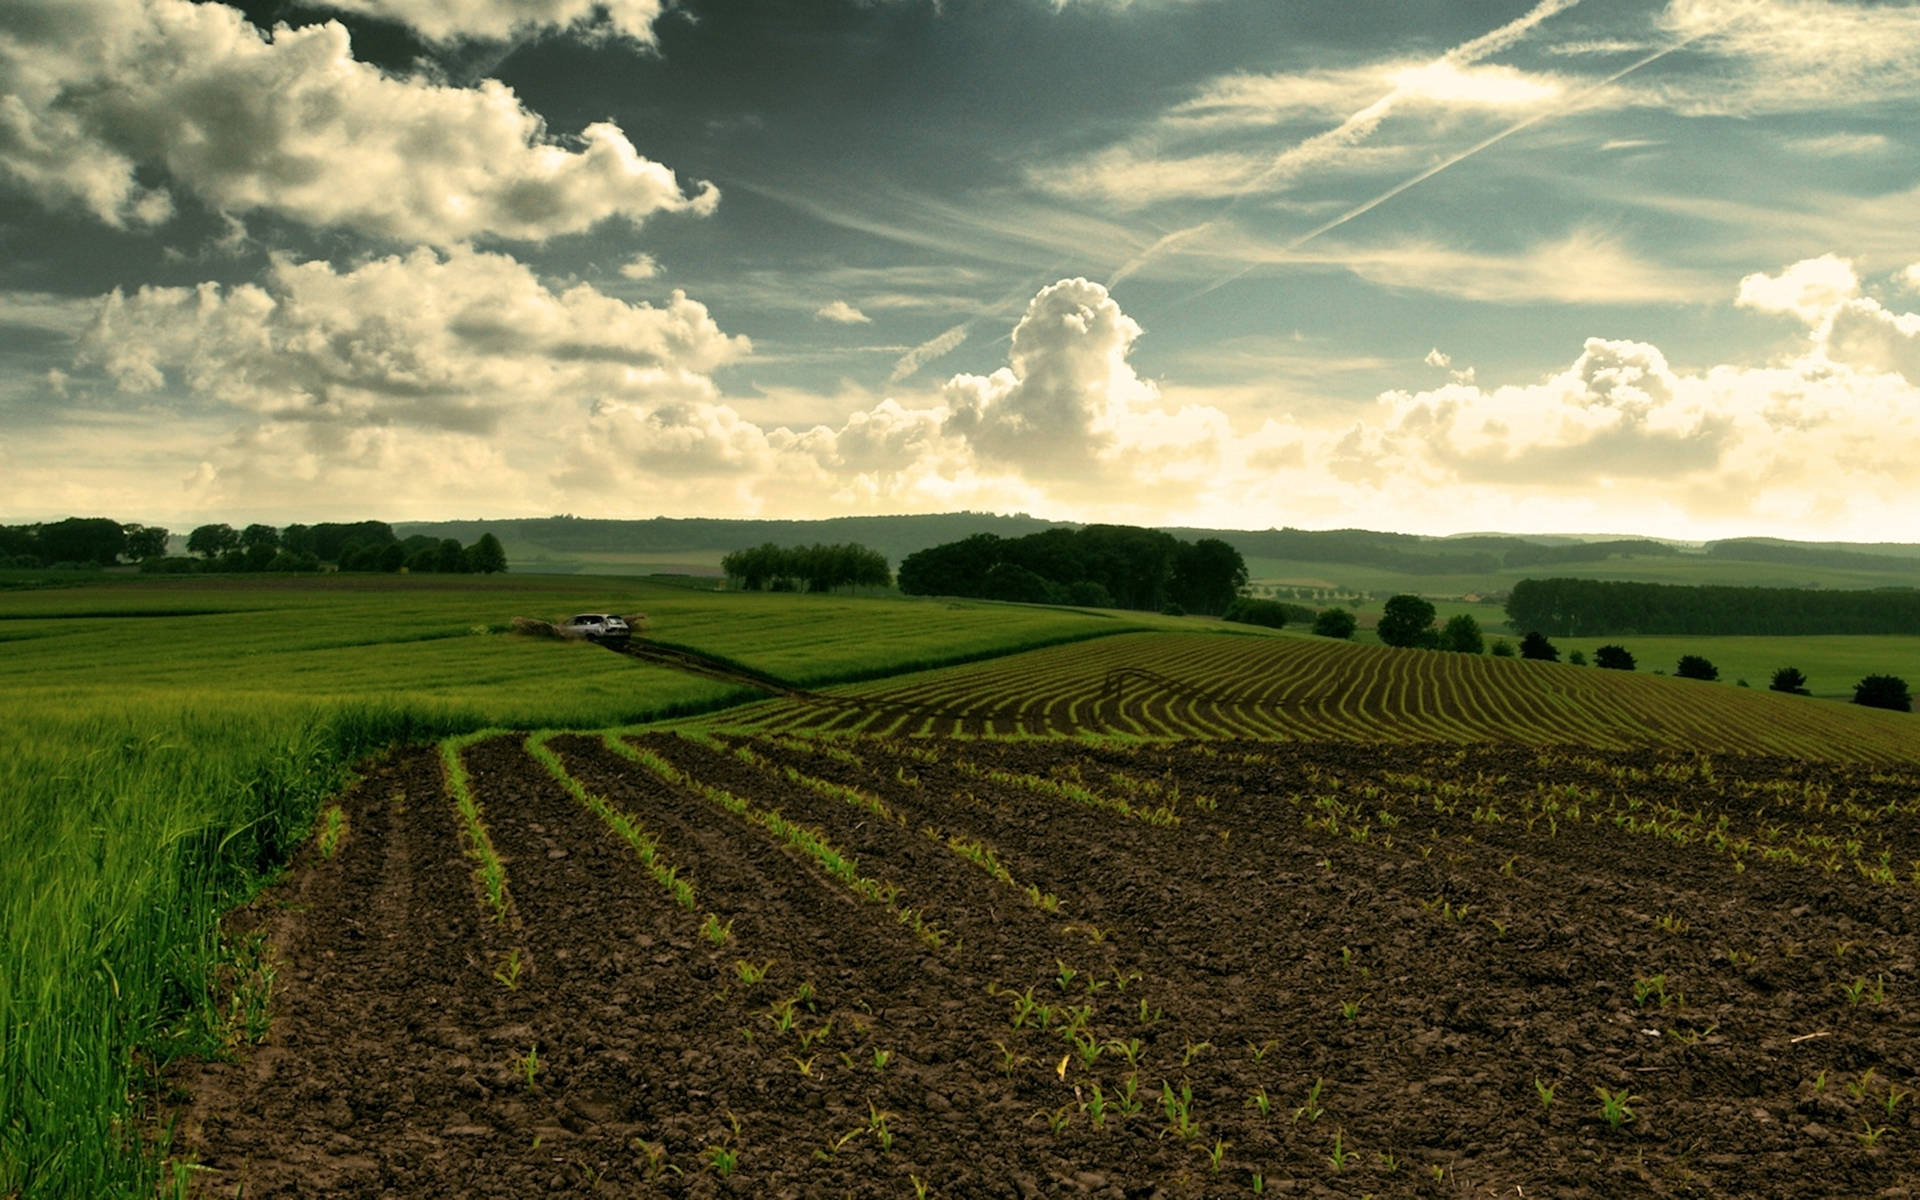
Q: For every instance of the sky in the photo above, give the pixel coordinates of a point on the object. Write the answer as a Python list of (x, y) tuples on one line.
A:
[(1436, 266)]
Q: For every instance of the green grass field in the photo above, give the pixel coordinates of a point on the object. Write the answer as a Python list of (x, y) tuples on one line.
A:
[(1696, 569)]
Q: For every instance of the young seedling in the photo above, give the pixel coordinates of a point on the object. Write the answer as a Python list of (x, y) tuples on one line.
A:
[(1259, 1050), (1260, 1101), (1259, 1184), (1615, 1107), (1869, 1132), (653, 1159), (333, 828), (1179, 1109), (1215, 1154), (1008, 1059), (1349, 1009), (528, 1065), (1545, 1091), (1129, 1050), (509, 969), (1652, 987), (752, 973), (1128, 1101), (1311, 1110), (838, 1144), (1894, 1097), (1193, 1049), (881, 1058), (1059, 1118), (877, 1126), (715, 931), (1065, 975), (723, 1159), (1339, 1155), (1858, 1090)]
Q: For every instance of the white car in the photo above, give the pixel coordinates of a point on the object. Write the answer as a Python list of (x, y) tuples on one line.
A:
[(596, 627)]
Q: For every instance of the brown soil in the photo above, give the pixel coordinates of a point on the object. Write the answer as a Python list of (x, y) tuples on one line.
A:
[(1428, 971)]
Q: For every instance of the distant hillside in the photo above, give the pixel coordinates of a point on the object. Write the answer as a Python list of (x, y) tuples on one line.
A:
[(1475, 562)]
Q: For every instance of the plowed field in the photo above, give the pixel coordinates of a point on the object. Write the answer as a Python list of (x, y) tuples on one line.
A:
[(1294, 689), (959, 968)]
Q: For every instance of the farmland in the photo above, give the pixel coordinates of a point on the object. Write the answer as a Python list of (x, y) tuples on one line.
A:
[(977, 929), (893, 967)]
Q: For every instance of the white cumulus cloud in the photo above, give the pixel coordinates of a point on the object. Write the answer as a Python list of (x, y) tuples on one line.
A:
[(454, 341), (95, 95), (842, 313), (499, 20)]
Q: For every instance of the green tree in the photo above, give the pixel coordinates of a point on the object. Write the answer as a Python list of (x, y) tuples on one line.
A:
[(1789, 680), (211, 541), (1502, 648), (1405, 621), (1250, 611), (1462, 635), (1884, 691), (1692, 666), (1536, 646), (97, 540), (1613, 658), (487, 556), (145, 542), (1335, 623)]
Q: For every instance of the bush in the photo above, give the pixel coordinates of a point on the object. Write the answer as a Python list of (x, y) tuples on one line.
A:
[(1692, 666), (1335, 623), (1789, 680), (1405, 621), (1502, 648), (1248, 611), (1883, 691), (1536, 646), (1172, 609), (1577, 658), (1462, 635), (1613, 658)]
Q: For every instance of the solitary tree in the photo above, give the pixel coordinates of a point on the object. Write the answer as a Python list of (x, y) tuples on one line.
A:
[(1335, 623), (1613, 658), (1502, 648), (1692, 666), (1462, 634), (487, 555), (1789, 680), (1883, 691), (1405, 621), (1536, 646)]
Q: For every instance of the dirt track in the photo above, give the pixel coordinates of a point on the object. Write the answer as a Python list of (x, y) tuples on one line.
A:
[(1426, 967)]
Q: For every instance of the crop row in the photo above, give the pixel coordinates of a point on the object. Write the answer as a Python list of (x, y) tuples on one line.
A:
[(1290, 689)]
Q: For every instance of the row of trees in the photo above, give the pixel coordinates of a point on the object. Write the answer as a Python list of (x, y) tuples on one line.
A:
[(350, 546), (79, 542), (1106, 566), (1407, 621), (1597, 608), (815, 568)]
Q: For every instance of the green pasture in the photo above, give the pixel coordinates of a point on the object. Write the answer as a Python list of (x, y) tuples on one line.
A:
[(1696, 569), (1832, 664), (169, 740)]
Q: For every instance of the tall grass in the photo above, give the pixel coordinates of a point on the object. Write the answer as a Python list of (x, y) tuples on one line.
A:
[(125, 833)]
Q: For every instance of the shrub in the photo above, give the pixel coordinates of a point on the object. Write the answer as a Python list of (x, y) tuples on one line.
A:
[(1248, 611), (1172, 609), (1462, 634), (1613, 658), (1502, 648), (1405, 621), (1789, 680), (1536, 646), (1883, 691), (1577, 658), (1335, 623), (1692, 666)]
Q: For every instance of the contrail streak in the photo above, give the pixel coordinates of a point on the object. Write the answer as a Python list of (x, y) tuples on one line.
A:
[(1327, 145), (1493, 140)]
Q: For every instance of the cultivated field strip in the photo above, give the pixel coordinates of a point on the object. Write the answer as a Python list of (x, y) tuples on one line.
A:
[(1291, 689), (1206, 968)]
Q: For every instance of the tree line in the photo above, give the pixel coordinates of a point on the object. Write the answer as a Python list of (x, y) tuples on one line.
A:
[(1104, 566), (816, 568), (346, 546), (1596, 608)]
